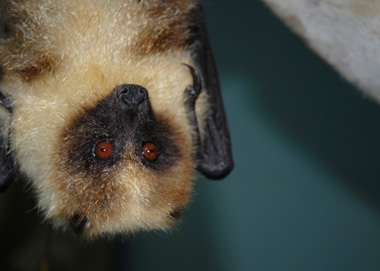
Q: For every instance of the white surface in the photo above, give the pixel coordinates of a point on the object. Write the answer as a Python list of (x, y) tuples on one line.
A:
[(346, 33)]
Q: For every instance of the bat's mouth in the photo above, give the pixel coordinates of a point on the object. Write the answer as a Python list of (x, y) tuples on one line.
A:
[(176, 214), (78, 223)]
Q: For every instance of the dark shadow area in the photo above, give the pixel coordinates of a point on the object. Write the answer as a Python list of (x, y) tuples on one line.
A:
[(27, 243)]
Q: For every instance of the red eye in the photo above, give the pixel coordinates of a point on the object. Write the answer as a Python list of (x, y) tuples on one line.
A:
[(150, 152), (103, 150)]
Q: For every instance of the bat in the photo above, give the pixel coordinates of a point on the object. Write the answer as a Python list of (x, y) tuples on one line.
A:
[(343, 32), (109, 109)]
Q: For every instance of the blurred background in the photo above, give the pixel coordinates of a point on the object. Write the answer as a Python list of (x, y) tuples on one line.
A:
[(305, 192)]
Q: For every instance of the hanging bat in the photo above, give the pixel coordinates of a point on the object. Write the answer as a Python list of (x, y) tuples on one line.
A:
[(109, 108), (344, 32)]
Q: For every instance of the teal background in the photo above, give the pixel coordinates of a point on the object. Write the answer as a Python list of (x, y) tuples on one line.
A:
[(305, 191)]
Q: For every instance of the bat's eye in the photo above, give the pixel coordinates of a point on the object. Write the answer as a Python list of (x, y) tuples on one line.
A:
[(150, 152), (103, 150)]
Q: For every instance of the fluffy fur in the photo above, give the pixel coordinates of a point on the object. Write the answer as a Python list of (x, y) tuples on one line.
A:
[(344, 32), (62, 58)]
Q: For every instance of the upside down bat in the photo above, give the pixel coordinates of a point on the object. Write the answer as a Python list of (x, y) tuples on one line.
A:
[(107, 108), (344, 32)]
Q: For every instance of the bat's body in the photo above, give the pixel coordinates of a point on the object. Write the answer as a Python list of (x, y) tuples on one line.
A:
[(103, 111), (344, 32)]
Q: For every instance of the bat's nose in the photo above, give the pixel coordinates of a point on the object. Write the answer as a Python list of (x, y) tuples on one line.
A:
[(131, 96)]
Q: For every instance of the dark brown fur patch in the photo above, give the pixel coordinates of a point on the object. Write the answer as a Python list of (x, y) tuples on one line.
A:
[(42, 66), (169, 28)]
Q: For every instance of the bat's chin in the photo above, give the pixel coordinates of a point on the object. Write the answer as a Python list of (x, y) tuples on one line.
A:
[(90, 221), (88, 227)]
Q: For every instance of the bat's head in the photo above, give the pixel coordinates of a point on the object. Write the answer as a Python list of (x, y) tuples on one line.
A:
[(106, 114)]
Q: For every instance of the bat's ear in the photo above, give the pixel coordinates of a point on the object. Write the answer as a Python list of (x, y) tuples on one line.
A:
[(214, 154), (8, 167)]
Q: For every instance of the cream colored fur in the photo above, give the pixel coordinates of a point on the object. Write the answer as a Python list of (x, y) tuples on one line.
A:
[(92, 43), (346, 33)]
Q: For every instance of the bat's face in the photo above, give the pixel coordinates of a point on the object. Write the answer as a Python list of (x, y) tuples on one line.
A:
[(109, 149), (103, 119), (122, 165)]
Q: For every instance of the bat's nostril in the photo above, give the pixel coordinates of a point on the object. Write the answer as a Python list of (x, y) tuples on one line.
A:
[(131, 95)]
